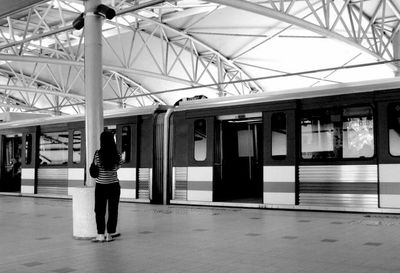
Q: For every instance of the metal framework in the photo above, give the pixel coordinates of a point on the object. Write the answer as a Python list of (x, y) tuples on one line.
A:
[(344, 20), (41, 61)]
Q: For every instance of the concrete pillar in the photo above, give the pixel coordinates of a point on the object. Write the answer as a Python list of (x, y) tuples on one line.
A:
[(396, 52), (84, 224), (83, 217)]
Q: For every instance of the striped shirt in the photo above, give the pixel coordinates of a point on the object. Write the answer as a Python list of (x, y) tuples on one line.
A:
[(107, 176)]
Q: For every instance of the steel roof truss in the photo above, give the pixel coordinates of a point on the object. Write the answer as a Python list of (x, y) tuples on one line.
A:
[(320, 21)]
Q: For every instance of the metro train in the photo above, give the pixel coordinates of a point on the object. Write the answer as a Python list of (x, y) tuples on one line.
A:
[(334, 147)]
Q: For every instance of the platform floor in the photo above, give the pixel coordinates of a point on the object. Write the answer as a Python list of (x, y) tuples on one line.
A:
[(36, 236)]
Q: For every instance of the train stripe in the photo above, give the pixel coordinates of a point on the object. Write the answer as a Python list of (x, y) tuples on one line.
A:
[(279, 187), (389, 188), (74, 183), (28, 182), (127, 184), (337, 188), (200, 185)]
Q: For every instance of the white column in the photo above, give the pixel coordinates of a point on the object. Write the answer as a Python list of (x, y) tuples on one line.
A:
[(84, 224), (93, 83)]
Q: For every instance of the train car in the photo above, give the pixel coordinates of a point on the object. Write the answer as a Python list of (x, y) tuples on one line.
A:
[(323, 148), (46, 156)]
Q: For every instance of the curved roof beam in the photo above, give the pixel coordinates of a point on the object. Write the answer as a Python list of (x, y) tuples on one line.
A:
[(41, 91), (30, 88), (80, 64), (37, 82), (357, 32), (110, 68)]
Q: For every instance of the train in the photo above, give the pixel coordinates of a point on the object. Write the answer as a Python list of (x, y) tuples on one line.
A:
[(329, 148)]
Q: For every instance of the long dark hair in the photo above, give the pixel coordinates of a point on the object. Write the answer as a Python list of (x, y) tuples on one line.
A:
[(108, 153)]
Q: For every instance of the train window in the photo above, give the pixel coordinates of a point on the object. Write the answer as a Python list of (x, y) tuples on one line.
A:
[(76, 147), (126, 143), (358, 132), (13, 149), (112, 129), (279, 135), (245, 143), (28, 149), (394, 129), (200, 140), (53, 149), (338, 133)]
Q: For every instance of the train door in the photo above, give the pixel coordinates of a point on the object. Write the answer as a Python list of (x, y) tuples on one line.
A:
[(239, 159), (11, 178)]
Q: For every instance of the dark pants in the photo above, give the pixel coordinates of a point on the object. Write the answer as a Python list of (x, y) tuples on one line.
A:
[(106, 193)]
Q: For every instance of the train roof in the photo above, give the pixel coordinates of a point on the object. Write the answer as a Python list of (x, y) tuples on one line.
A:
[(290, 94), (146, 110)]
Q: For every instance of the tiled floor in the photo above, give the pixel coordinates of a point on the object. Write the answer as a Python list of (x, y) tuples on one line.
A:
[(36, 236)]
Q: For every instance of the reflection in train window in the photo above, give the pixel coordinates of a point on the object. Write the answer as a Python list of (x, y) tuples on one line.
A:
[(53, 149), (394, 128), (200, 140), (76, 147), (126, 144), (279, 135), (338, 133), (28, 149)]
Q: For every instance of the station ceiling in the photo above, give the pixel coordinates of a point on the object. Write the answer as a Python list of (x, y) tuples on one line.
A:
[(169, 50)]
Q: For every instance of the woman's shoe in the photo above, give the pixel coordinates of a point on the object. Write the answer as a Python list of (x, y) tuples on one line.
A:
[(99, 238), (109, 238)]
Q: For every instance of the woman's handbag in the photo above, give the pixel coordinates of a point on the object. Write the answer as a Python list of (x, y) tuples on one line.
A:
[(94, 169)]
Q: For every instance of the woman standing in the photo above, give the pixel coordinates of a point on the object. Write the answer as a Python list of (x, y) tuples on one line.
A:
[(107, 187)]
